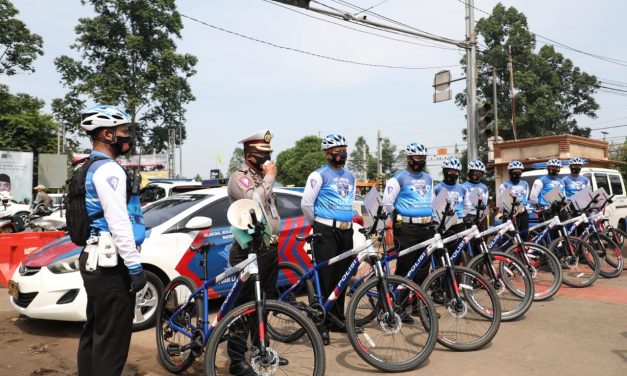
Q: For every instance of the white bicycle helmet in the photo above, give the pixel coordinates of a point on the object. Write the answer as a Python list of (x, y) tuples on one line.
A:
[(415, 149), (476, 165), (333, 140), (452, 163), (554, 162), (576, 161), (515, 165), (103, 116)]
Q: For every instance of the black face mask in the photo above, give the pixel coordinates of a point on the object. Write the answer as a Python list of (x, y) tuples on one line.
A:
[(554, 172), (450, 178), (416, 165), (118, 144), (260, 160), (575, 170), (339, 159), (474, 177), (514, 177)]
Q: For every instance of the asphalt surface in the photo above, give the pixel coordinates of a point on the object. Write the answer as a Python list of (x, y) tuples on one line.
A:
[(580, 331)]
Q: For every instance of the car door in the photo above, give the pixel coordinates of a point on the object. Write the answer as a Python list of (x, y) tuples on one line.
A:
[(292, 223)]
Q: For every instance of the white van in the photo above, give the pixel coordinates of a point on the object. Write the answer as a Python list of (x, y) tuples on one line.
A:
[(610, 180)]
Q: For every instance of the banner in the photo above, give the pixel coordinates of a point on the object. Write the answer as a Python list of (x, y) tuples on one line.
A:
[(16, 174), (52, 170)]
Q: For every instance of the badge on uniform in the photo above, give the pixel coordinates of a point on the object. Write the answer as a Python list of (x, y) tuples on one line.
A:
[(245, 182)]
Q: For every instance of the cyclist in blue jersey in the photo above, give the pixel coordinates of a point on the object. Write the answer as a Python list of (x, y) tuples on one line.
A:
[(574, 182), (544, 184), (519, 189), (327, 204), (407, 198), (476, 170), (457, 193)]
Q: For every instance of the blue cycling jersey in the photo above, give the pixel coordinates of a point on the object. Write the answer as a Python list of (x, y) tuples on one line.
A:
[(482, 192), (336, 196), (520, 190), (415, 196), (457, 193), (548, 183), (573, 185)]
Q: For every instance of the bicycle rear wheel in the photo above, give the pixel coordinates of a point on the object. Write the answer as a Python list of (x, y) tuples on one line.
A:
[(543, 267), (512, 282), (619, 237), (392, 343), (234, 343), (470, 322), (610, 259), (581, 265), (178, 342)]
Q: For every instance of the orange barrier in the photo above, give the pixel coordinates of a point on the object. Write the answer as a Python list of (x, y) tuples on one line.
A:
[(14, 247)]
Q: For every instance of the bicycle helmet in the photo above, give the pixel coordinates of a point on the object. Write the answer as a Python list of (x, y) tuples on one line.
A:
[(554, 162), (333, 140), (476, 165), (515, 165), (452, 163), (415, 149), (576, 161), (103, 116)]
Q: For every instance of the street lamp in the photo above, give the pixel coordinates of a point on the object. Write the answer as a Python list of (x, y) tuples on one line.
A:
[(604, 134)]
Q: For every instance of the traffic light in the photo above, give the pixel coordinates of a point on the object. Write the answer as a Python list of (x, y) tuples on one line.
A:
[(484, 119)]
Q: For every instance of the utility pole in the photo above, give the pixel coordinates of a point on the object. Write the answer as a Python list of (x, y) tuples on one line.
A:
[(511, 90), (365, 164), (495, 106), (379, 167), (180, 145), (471, 82)]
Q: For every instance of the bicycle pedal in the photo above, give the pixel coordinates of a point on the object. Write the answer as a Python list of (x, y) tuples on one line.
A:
[(174, 349)]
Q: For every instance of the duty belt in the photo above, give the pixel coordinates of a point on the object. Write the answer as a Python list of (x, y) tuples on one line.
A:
[(334, 223), (418, 220)]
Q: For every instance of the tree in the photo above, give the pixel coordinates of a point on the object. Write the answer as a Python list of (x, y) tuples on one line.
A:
[(389, 159), (356, 160), (295, 164), (128, 58), (20, 46), (198, 178), (550, 90), (23, 127), (237, 160)]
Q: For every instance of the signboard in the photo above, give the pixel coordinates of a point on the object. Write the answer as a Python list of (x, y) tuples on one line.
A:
[(16, 174), (52, 170)]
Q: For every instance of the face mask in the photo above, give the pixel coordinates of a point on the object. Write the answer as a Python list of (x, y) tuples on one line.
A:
[(451, 177), (339, 159), (554, 172), (118, 145), (260, 160), (575, 170), (417, 165), (514, 177), (474, 177)]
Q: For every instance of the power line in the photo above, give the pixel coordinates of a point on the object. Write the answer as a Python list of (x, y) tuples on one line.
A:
[(313, 53), (614, 126)]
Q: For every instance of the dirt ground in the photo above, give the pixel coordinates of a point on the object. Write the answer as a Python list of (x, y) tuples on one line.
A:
[(581, 331)]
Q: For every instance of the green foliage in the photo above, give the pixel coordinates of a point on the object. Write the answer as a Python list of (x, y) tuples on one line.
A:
[(390, 159), (23, 127), (128, 58), (295, 164), (19, 46), (198, 178), (550, 90), (237, 160)]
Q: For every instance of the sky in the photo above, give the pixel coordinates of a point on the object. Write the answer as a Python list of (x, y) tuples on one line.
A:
[(243, 86)]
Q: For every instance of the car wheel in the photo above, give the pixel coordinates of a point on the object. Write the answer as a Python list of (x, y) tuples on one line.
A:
[(146, 302)]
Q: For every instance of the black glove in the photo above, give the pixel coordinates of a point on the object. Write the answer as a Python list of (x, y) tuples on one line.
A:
[(138, 281)]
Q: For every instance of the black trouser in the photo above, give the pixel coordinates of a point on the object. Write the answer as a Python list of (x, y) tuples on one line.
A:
[(522, 221), (267, 261), (409, 234), (106, 337), (333, 242)]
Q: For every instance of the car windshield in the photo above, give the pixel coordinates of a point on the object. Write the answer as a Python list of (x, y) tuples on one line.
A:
[(161, 211)]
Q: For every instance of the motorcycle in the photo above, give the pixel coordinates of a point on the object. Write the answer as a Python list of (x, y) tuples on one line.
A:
[(9, 222), (44, 218)]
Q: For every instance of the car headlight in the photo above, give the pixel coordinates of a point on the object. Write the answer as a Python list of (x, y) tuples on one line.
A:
[(66, 265)]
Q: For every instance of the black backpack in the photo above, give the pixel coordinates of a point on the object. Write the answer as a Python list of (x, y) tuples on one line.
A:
[(78, 221)]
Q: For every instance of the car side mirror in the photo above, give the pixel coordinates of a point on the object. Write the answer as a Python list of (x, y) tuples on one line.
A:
[(198, 223)]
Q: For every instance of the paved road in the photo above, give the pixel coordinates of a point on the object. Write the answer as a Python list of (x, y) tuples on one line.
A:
[(581, 331)]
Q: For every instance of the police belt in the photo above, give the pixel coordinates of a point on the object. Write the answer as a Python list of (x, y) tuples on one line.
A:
[(334, 223), (417, 220)]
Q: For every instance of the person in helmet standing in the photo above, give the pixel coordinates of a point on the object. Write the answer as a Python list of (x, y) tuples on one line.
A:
[(254, 180), (327, 204), (457, 193), (519, 189), (476, 170), (544, 184), (111, 290), (574, 182)]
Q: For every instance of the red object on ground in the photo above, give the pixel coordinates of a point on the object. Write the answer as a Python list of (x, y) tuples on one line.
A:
[(14, 247)]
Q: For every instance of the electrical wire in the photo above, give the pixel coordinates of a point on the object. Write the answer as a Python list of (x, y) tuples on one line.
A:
[(313, 53)]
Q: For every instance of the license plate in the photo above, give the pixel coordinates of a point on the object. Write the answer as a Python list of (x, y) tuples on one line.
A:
[(13, 291)]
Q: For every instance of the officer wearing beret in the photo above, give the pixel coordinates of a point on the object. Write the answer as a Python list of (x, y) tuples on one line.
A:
[(254, 180)]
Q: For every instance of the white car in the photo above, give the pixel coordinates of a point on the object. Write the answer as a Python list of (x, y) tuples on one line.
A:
[(48, 285)]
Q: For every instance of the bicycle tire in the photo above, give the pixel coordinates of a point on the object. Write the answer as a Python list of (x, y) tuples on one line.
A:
[(170, 341), (293, 272), (420, 339), (610, 259), (544, 268), (217, 359), (619, 237), (581, 269), (513, 283), (455, 317)]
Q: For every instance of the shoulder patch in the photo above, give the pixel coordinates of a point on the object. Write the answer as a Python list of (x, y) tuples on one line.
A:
[(113, 181), (312, 182), (245, 181)]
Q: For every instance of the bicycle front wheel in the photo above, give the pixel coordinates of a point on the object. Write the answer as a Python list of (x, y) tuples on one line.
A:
[(392, 342), (543, 266), (470, 318), (619, 236), (579, 261), (178, 319), (510, 279), (234, 344), (610, 259)]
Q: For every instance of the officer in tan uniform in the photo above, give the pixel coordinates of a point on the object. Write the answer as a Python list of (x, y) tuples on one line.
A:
[(254, 180)]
